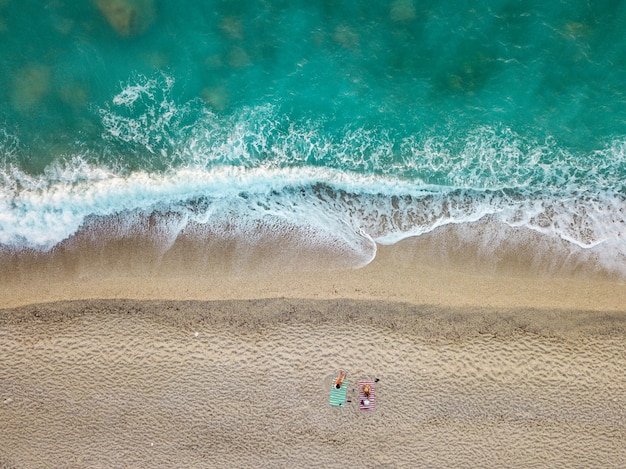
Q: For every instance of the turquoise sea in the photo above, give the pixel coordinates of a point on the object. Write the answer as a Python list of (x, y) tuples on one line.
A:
[(350, 123)]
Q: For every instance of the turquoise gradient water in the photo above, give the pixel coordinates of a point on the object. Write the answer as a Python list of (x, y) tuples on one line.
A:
[(351, 122)]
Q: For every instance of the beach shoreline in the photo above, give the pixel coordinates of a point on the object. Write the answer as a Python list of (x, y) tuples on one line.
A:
[(208, 213), (451, 267)]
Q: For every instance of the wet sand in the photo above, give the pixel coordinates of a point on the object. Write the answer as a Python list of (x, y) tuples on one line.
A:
[(453, 267)]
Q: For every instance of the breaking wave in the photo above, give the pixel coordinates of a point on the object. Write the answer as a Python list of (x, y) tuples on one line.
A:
[(256, 171)]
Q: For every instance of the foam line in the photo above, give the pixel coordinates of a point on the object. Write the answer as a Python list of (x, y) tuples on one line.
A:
[(40, 212)]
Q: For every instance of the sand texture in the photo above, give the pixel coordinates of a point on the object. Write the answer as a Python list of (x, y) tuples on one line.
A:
[(449, 268), (246, 384)]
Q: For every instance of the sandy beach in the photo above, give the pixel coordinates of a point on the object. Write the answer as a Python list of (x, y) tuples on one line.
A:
[(466, 266), (480, 363), (210, 209)]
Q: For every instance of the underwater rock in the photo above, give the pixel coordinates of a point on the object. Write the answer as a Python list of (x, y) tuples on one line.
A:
[(63, 25), (214, 61), (232, 27), (402, 10), (216, 97), (346, 36), (156, 59), (127, 17), (30, 84), (74, 95), (238, 58)]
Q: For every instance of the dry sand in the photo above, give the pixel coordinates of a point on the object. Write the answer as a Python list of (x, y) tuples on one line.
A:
[(481, 363), (246, 384)]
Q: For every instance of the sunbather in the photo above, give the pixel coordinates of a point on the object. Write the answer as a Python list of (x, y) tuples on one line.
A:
[(340, 377), (366, 391)]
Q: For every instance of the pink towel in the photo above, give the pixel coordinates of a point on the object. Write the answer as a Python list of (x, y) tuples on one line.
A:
[(362, 399)]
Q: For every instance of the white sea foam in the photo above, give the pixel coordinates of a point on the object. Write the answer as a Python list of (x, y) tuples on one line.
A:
[(42, 211), (255, 168)]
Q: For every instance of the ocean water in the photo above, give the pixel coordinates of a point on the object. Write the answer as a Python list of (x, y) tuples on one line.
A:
[(345, 123)]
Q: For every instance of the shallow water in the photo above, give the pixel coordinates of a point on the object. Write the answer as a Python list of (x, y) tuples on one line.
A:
[(347, 123)]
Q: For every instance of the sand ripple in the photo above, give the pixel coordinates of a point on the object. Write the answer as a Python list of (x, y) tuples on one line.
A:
[(244, 384)]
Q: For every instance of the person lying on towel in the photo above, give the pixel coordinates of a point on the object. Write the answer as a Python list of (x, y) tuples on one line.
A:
[(340, 377)]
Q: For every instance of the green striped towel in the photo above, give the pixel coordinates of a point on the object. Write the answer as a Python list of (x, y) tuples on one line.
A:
[(338, 396)]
